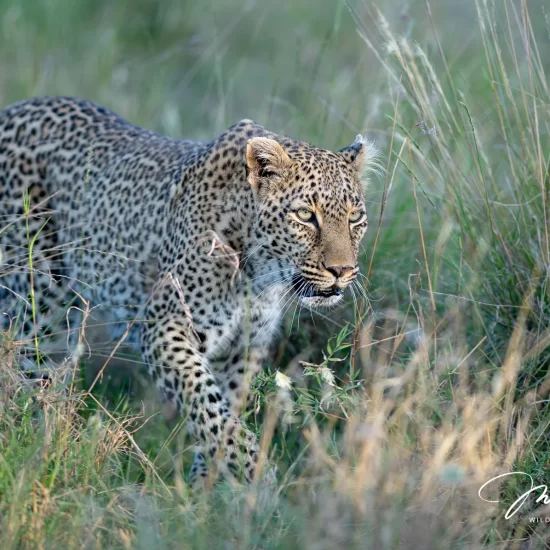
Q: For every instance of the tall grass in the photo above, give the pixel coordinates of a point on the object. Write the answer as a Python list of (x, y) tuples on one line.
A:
[(398, 410)]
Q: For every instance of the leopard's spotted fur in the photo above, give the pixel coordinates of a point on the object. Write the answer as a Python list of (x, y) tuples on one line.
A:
[(204, 242)]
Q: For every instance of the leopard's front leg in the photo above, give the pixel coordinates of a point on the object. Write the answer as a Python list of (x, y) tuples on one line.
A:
[(171, 350), (236, 373)]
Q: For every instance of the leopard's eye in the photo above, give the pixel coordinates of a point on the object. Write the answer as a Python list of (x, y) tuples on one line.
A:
[(305, 215), (357, 216)]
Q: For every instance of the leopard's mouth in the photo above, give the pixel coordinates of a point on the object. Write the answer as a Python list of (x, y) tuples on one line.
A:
[(312, 295)]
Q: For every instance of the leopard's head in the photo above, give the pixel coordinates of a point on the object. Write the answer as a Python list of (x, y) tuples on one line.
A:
[(311, 211)]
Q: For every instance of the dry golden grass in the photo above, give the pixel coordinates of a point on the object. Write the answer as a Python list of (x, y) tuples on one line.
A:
[(385, 432)]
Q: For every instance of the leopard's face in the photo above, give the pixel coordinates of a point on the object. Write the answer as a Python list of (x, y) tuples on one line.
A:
[(311, 212)]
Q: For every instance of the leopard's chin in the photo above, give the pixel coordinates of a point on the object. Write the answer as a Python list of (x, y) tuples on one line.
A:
[(316, 302), (313, 297)]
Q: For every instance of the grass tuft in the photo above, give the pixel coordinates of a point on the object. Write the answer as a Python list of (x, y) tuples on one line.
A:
[(385, 418)]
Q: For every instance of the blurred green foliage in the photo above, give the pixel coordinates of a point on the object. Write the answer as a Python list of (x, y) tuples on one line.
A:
[(323, 71)]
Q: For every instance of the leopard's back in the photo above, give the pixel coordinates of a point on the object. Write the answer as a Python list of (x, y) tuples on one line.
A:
[(98, 191)]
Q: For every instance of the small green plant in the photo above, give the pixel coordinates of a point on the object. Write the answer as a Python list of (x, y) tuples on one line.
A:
[(383, 418)]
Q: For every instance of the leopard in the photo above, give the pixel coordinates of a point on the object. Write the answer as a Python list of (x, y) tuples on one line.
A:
[(193, 250)]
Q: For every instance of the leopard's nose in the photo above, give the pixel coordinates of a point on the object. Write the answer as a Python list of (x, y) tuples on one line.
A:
[(339, 270)]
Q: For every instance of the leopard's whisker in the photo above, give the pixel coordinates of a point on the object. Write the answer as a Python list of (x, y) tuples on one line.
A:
[(273, 310), (362, 292), (271, 286), (298, 302)]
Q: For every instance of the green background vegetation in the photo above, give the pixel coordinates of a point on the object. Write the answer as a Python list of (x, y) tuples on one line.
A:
[(440, 385)]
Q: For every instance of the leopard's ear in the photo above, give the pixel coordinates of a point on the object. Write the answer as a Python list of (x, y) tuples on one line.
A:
[(363, 155), (266, 160)]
